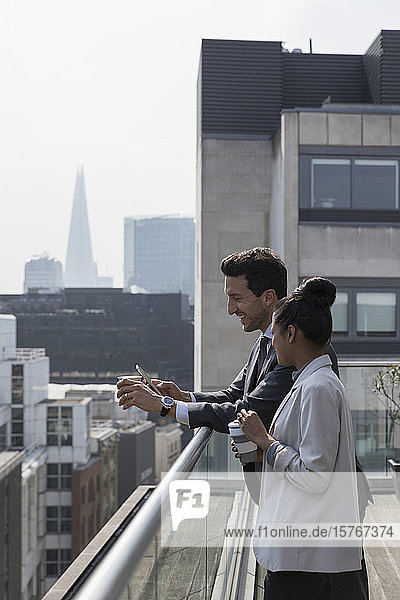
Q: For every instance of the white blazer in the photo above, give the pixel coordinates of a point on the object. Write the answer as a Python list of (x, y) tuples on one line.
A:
[(309, 475)]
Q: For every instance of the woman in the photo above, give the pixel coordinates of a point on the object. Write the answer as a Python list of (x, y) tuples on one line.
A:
[(309, 467)]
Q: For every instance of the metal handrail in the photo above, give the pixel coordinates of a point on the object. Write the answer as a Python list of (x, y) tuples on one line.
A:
[(110, 577), (367, 363)]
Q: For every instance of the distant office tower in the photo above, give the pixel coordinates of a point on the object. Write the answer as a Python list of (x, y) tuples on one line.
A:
[(43, 274), (159, 254), (80, 269)]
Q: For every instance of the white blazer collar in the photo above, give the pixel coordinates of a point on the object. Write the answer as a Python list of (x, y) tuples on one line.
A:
[(314, 365)]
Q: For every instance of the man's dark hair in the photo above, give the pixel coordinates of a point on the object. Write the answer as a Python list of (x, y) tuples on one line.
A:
[(262, 267)]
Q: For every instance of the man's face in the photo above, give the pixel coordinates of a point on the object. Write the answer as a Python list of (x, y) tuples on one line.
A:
[(252, 310)]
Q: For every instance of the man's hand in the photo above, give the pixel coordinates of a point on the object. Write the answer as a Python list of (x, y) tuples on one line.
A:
[(134, 393), (253, 428), (169, 388)]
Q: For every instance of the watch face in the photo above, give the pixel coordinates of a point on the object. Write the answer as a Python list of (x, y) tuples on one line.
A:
[(167, 402)]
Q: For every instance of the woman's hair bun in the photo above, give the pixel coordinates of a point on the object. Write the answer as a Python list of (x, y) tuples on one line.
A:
[(319, 291)]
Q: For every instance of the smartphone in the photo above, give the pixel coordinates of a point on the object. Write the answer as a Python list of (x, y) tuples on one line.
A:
[(147, 379)]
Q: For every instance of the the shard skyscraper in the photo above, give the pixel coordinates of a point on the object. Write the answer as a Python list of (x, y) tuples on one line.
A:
[(80, 269)]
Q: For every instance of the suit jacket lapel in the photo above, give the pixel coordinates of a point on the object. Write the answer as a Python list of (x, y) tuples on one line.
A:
[(251, 375), (269, 363)]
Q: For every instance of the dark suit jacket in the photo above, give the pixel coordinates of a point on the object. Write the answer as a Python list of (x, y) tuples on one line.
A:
[(264, 395)]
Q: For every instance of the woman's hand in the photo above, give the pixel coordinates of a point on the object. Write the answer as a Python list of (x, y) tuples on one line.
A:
[(260, 453), (253, 428)]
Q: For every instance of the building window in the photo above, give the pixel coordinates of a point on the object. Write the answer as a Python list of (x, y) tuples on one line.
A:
[(354, 183), (57, 561), (59, 426), (17, 427), (349, 188), (375, 184), (18, 370), (366, 310), (17, 384), (340, 314), (59, 476), (376, 314), (3, 436), (52, 519), (330, 183), (59, 519)]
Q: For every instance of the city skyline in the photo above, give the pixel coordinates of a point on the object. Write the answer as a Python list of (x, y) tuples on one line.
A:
[(115, 90), (80, 268)]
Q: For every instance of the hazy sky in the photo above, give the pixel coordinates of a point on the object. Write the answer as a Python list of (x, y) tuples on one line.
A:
[(111, 85)]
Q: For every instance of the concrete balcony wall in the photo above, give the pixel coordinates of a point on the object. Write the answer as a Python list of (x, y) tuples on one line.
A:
[(283, 225), (341, 129), (349, 251), (232, 215)]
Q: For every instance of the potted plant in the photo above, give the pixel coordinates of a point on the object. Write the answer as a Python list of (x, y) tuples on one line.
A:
[(387, 387)]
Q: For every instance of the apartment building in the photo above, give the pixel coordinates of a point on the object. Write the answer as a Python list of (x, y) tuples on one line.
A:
[(10, 525), (33, 522)]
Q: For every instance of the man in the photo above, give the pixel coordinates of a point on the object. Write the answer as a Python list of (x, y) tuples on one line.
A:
[(254, 281)]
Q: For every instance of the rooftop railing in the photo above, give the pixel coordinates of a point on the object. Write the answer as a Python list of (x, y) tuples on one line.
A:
[(134, 562), (107, 580), (29, 354)]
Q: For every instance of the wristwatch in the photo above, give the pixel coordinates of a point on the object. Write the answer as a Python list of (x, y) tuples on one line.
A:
[(167, 404)]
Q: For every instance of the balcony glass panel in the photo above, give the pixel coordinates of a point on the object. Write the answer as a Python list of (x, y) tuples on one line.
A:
[(188, 568), (377, 438), (376, 314)]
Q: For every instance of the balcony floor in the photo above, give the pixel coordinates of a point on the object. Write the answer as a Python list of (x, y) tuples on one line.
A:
[(383, 562)]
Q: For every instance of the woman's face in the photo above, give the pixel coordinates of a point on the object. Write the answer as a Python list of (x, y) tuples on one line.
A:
[(280, 341)]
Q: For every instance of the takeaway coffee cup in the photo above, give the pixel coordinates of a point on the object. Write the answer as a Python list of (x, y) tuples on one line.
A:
[(246, 448)]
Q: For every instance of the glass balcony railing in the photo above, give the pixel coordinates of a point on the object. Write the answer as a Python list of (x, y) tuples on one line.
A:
[(155, 547), (377, 436), (143, 558)]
